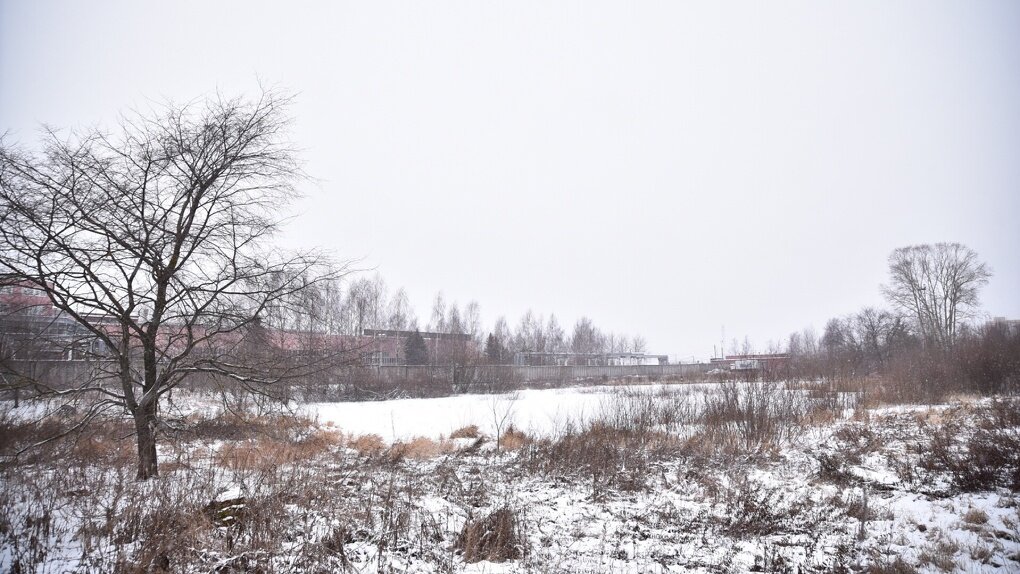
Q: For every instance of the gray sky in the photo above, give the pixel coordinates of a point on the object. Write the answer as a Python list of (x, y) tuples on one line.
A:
[(665, 168)]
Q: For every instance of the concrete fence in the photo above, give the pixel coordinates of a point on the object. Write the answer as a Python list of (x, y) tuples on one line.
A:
[(430, 378), (529, 374)]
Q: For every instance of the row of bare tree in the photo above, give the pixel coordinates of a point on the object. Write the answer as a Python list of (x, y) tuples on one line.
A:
[(929, 342), (352, 304)]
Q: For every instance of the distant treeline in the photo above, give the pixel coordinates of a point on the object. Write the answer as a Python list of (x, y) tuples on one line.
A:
[(350, 305), (929, 343)]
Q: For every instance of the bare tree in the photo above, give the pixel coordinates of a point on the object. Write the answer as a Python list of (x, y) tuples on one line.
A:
[(615, 343), (530, 336), (439, 315), (364, 306), (937, 285), (586, 338), (639, 344), (400, 312), (503, 338), (156, 240), (554, 336), (473, 322), (454, 323)]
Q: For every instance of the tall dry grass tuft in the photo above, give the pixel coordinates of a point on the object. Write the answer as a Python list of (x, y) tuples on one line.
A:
[(419, 448), (366, 444), (497, 537), (513, 439), (470, 431)]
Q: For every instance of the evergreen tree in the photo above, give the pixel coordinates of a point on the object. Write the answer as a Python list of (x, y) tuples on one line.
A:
[(493, 350), (415, 351)]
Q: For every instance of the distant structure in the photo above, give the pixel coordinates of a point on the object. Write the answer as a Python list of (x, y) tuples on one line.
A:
[(31, 328), (540, 359), (387, 346), (755, 363), (1011, 326)]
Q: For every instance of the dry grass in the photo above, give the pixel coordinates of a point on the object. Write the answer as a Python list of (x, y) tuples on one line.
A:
[(819, 416), (323, 440), (470, 431), (975, 516), (897, 566), (366, 444), (102, 448), (419, 448), (513, 439), (496, 538), (251, 454), (940, 555), (264, 453)]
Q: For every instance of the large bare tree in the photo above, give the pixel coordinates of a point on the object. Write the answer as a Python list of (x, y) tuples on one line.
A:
[(156, 239), (938, 286)]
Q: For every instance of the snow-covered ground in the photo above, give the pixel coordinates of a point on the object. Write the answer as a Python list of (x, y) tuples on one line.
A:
[(538, 412), (838, 493)]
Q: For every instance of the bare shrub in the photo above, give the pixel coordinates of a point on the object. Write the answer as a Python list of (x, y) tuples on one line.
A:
[(752, 417), (753, 509), (607, 455), (983, 459), (834, 467), (497, 538)]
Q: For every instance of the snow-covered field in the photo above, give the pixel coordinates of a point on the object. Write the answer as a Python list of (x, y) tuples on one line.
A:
[(538, 412), (603, 480)]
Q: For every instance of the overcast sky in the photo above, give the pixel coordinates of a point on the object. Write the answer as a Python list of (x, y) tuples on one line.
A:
[(665, 168)]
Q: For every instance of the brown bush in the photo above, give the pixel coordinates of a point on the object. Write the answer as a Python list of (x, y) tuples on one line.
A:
[(513, 439), (497, 538), (419, 448), (470, 431), (320, 441), (366, 444), (264, 453)]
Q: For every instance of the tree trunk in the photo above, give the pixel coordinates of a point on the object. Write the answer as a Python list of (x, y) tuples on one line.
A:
[(145, 429)]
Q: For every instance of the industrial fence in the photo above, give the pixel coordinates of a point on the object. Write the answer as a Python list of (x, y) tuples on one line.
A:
[(529, 374), (368, 381)]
